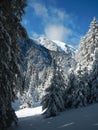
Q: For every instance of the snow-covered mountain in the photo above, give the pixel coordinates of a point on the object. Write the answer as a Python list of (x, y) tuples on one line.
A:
[(41, 59), (60, 49), (55, 45), (45, 57)]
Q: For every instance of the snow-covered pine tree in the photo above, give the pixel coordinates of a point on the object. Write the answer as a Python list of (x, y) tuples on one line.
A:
[(26, 100), (87, 46), (53, 100), (33, 93), (38, 64), (86, 70), (69, 89), (10, 62), (46, 82), (81, 89), (93, 77)]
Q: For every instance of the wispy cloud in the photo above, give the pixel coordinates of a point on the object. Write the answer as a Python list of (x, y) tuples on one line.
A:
[(25, 22), (57, 23), (51, 14), (36, 35), (40, 10)]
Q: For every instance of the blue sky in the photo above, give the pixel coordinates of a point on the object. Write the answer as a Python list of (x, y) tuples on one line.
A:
[(64, 20)]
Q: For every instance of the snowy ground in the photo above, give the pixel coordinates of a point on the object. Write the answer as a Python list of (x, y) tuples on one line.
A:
[(85, 118)]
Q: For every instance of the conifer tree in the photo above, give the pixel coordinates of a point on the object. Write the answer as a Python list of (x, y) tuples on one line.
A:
[(88, 44), (85, 82), (53, 100), (10, 61)]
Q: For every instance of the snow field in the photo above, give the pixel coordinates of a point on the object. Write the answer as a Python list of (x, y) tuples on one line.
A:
[(85, 118)]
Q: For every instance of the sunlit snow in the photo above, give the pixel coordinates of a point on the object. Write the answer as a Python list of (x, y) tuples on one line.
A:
[(26, 112), (85, 118)]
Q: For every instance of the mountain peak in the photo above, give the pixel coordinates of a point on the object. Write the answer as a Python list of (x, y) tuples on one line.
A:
[(55, 45)]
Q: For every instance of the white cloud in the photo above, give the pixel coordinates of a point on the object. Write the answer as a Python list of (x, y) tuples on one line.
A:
[(40, 9), (51, 14), (56, 23), (59, 15), (56, 15), (57, 32)]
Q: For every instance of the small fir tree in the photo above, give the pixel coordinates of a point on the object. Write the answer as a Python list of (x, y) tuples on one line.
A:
[(53, 100)]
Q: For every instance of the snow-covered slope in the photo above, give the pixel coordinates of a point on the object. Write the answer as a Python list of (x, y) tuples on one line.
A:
[(85, 118), (55, 45), (63, 53), (29, 112), (40, 64)]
